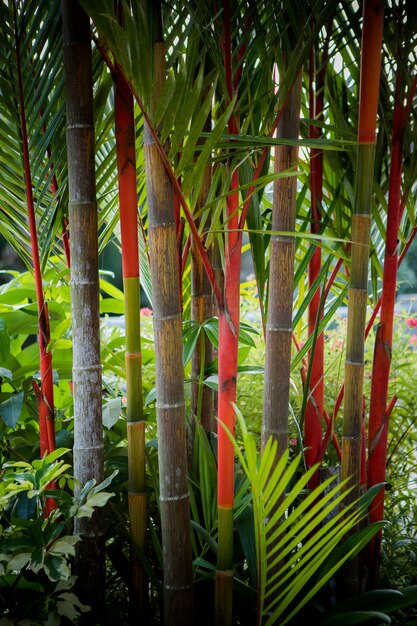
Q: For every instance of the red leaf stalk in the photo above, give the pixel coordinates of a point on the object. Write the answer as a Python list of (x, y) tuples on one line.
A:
[(378, 421), (315, 406), (227, 358), (46, 404)]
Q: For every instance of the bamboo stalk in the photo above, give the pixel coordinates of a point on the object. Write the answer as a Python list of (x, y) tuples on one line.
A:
[(88, 439), (282, 248), (126, 166), (170, 407), (358, 290)]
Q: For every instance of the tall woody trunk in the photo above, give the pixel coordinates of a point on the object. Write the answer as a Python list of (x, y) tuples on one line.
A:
[(88, 438), (45, 395), (378, 412), (281, 279), (126, 166), (170, 404), (373, 15)]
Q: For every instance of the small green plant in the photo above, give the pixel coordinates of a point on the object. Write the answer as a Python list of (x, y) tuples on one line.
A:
[(36, 548)]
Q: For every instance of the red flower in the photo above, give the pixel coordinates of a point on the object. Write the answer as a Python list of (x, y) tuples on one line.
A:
[(412, 322), (146, 312)]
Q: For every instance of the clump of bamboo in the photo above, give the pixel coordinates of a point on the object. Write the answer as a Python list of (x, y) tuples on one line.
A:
[(88, 439), (126, 166), (361, 226)]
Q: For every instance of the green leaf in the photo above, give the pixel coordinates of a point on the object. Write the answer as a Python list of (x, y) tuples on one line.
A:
[(64, 546), (190, 338), (56, 567), (69, 606), (5, 373), (11, 409), (356, 617), (4, 341), (19, 561), (111, 412), (212, 381)]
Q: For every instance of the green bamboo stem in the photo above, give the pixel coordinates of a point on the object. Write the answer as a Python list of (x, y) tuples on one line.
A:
[(89, 562), (170, 403)]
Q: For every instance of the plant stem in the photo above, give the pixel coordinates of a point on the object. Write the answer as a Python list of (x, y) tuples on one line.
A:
[(170, 403), (361, 225), (46, 402), (88, 436), (282, 248), (126, 166)]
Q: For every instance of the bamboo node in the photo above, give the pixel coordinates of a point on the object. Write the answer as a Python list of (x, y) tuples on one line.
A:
[(168, 405), (183, 496), (87, 368), (224, 573), (137, 494), (79, 125), (136, 424), (278, 329), (81, 281), (178, 587), (100, 446), (133, 356), (166, 318), (76, 203), (156, 225), (355, 363)]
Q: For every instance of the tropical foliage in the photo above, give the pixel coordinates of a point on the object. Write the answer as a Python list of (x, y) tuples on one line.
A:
[(215, 130)]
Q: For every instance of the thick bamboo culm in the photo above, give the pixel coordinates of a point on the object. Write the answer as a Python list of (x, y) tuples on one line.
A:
[(281, 282), (126, 166), (170, 403), (88, 437)]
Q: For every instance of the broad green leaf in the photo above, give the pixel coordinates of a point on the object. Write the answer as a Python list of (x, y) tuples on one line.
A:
[(11, 408), (4, 341), (111, 411)]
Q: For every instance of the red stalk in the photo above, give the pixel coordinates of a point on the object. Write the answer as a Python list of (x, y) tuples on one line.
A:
[(229, 313), (312, 416), (126, 158), (369, 79), (312, 424), (378, 416), (46, 402)]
